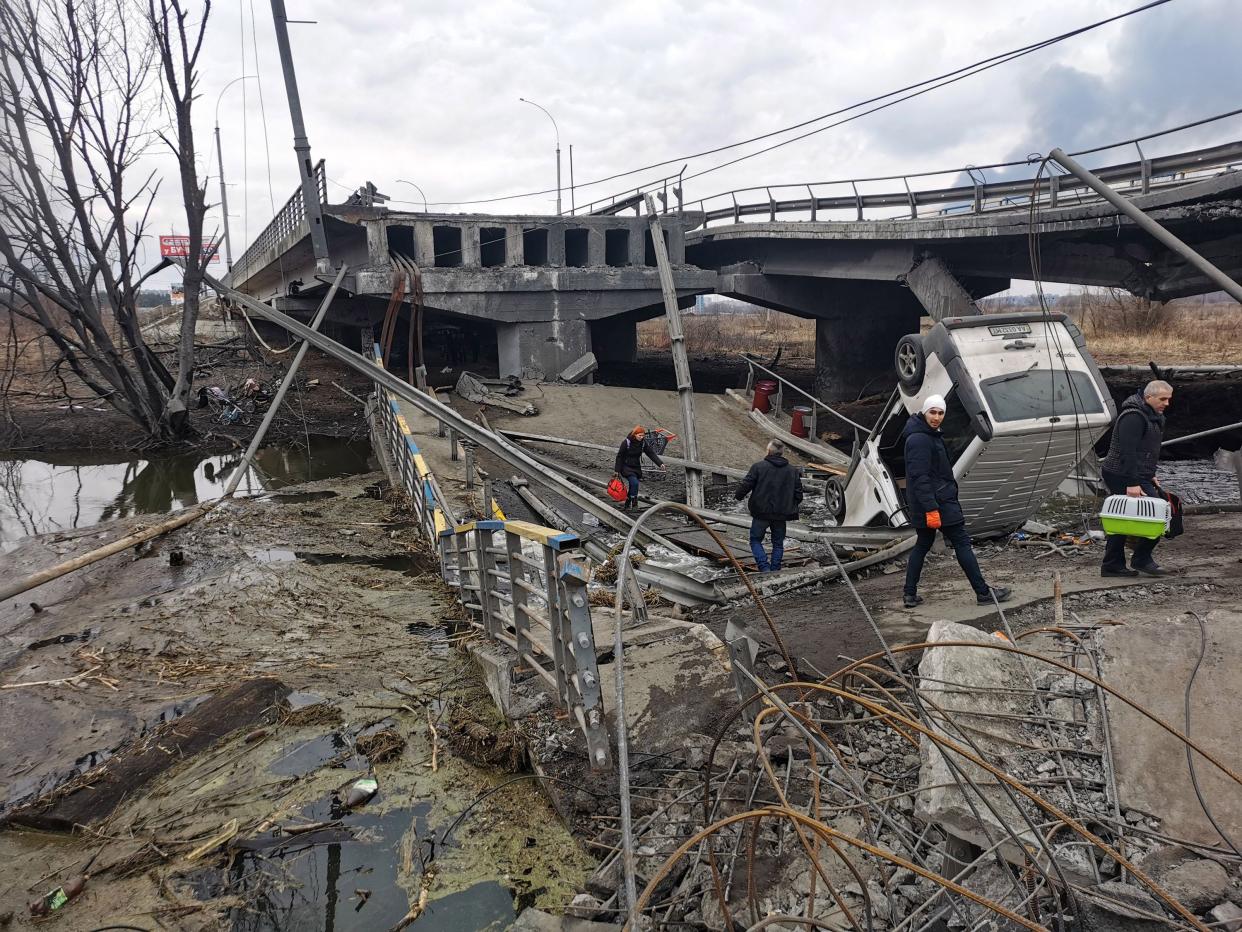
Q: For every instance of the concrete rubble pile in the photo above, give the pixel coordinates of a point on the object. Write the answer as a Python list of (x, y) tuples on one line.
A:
[(972, 785), (496, 393)]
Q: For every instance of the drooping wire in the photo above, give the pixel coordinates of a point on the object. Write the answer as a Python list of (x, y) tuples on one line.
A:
[(241, 41), (926, 85)]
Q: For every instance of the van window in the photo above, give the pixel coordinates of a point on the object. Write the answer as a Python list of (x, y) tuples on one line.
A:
[(1021, 396), (956, 429)]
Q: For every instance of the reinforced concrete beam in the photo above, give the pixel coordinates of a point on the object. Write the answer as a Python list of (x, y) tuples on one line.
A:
[(939, 291)]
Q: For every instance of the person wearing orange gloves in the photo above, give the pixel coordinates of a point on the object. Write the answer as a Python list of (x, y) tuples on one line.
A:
[(931, 501)]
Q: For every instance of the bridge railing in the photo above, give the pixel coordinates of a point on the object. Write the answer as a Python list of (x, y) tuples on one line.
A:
[(525, 586), (632, 198), (288, 220), (1136, 177), (431, 508), (521, 584)]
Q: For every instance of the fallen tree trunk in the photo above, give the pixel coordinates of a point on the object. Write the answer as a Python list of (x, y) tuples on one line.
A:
[(94, 795)]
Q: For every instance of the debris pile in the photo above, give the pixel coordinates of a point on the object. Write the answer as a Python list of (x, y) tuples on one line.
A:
[(964, 783)]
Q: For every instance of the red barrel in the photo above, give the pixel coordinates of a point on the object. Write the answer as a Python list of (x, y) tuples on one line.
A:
[(764, 389), (801, 421)]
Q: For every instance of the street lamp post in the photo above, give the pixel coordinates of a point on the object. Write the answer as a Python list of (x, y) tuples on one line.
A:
[(224, 198), (557, 130), (416, 188)]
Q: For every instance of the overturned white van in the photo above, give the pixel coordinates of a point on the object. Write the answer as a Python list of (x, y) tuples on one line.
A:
[(1025, 404)]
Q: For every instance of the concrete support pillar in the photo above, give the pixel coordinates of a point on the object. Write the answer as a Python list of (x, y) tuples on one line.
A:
[(377, 242), (470, 257), (515, 251), (638, 243), (424, 245), (595, 247), (556, 244), (546, 346), (615, 339), (854, 343), (676, 244)]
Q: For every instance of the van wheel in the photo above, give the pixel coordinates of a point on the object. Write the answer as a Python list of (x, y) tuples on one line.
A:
[(834, 497), (910, 362)]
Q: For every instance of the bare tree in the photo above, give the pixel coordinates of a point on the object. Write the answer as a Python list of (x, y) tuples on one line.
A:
[(77, 103), (178, 43)]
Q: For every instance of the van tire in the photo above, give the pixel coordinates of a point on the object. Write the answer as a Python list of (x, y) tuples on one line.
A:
[(834, 497), (910, 361)]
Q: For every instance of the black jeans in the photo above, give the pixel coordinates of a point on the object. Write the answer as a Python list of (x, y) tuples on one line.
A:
[(1115, 544), (959, 540)]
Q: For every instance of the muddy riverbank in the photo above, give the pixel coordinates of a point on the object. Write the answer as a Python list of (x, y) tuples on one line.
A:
[(39, 419), (324, 591)]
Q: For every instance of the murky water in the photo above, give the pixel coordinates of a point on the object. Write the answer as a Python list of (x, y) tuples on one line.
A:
[(1199, 481), (52, 492)]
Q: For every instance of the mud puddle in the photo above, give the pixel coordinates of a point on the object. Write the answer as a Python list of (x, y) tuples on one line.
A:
[(75, 489), (362, 649), (407, 564)]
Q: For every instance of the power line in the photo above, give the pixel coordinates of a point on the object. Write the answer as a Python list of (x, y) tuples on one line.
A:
[(941, 80)]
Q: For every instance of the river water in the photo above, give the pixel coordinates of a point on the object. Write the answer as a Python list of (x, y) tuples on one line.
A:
[(57, 491)]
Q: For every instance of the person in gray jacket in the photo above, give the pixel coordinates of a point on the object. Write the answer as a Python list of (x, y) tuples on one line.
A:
[(1130, 469)]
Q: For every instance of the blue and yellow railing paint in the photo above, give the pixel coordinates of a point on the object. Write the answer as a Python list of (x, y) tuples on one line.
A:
[(501, 587), (416, 477)]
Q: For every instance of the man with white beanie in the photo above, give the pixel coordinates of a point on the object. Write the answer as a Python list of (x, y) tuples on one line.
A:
[(931, 501)]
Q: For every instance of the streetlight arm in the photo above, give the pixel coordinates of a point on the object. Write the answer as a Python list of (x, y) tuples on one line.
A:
[(556, 129), (244, 77), (418, 189)]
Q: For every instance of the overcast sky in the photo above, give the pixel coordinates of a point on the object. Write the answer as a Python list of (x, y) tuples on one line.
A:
[(428, 91)]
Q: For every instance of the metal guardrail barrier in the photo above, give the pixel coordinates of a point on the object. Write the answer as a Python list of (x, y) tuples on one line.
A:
[(533, 582), (289, 219), (1138, 177)]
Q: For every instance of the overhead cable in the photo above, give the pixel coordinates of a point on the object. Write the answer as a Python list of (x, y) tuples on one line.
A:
[(937, 81)]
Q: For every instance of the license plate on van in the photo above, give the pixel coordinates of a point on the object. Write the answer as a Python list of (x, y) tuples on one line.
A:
[(1010, 330)]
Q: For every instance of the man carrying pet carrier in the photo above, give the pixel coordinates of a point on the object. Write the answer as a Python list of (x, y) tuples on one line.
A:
[(1130, 469)]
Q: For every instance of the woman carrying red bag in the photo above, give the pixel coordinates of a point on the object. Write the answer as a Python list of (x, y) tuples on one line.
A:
[(628, 466)]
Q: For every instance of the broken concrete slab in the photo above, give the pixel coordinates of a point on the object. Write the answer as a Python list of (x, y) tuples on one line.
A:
[(981, 689), (1198, 884), (1227, 916), (581, 368), (536, 920), (1151, 662)]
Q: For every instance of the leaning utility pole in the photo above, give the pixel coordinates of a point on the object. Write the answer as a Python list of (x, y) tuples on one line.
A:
[(224, 205), (1144, 222), (681, 361), (301, 145)]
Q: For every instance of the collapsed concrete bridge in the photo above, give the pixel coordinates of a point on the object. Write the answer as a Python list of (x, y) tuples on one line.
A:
[(548, 289)]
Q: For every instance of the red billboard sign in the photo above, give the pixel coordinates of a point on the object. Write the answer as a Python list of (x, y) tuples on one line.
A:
[(178, 247)]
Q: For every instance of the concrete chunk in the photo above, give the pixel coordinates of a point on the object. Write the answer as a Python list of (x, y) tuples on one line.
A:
[(579, 369), (1150, 661), (975, 687)]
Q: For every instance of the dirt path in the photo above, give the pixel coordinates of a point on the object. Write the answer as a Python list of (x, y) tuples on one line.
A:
[(826, 625), (306, 587)]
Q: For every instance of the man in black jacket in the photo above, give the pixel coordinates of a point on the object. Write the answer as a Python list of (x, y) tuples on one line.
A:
[(775, 490), (931, 500), (1130, 469)]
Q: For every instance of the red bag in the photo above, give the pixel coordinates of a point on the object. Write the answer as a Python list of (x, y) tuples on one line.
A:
[(617, 490)]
